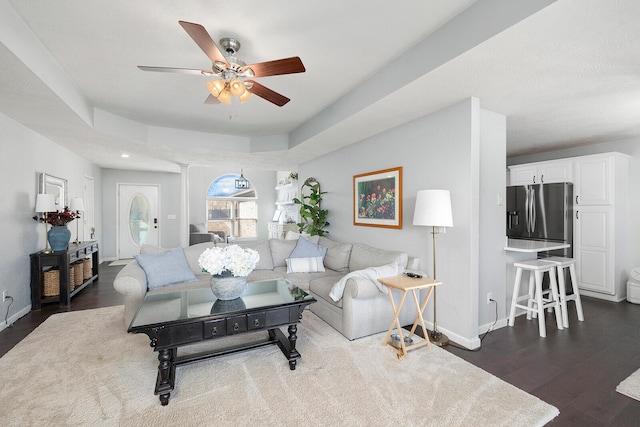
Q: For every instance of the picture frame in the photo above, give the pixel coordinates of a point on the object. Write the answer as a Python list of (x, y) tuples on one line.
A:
[(385, 186), (276, 216)]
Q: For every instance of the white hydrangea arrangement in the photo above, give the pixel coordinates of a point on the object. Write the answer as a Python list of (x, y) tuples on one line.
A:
[(232, 258)]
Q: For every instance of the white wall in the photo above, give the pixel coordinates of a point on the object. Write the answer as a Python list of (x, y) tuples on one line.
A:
[(264, 182), (24, 154), (630, 147), (442, 150)]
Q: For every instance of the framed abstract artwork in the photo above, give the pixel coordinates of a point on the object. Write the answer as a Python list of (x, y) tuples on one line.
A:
[(377, 198)]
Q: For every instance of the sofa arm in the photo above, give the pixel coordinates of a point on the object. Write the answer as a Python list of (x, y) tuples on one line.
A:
[(360, 287), (131, 281)]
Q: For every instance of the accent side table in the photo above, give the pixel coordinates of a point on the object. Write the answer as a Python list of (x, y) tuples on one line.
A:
[(406, 284)]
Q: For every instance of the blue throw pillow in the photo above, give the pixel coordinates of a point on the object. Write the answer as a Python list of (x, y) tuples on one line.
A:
[(165, 268), (307, 249)]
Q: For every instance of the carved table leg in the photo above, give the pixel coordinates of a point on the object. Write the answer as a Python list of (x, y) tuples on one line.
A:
[(166, 375), (293, 353)]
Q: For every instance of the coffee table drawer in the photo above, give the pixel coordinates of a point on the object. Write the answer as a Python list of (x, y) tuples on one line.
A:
[(180, 334), (215, 328), (236, 325), (256, 320)]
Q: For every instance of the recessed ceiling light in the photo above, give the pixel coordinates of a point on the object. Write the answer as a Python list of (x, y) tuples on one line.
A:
[(124, 155)]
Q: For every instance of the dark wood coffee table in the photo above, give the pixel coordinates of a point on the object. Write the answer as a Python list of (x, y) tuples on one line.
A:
[(178, 319)]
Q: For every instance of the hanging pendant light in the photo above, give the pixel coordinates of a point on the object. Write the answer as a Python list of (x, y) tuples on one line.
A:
[(242, 183)]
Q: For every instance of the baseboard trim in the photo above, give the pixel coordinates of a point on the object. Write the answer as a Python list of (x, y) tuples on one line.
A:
[(11, 320)]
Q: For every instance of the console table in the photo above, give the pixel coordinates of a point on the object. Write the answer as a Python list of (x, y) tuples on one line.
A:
[(41, 262)]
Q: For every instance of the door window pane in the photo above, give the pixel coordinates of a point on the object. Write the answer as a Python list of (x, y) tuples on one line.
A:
[(139, 219)]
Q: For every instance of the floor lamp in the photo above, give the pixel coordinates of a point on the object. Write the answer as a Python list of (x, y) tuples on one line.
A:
[(45, 203), (77, 205), (433, 209)]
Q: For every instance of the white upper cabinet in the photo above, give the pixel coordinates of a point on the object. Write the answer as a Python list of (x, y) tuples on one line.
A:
[(594, 181), (541, 173)]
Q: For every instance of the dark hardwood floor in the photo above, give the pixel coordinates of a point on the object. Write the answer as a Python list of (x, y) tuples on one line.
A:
[(576, 369)]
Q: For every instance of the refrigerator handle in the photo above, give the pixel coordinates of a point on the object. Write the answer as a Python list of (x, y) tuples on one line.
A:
[(526, 208), (533, 211)]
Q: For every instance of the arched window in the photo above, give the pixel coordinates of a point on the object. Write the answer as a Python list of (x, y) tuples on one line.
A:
[(232, 210)]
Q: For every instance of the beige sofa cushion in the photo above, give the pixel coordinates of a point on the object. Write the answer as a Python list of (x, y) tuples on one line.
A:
[(338, 254), (280, 251), (363, 256)]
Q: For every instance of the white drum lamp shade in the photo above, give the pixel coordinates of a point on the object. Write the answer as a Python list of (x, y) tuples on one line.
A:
[(45, 203), (433, 208), (77, 204)]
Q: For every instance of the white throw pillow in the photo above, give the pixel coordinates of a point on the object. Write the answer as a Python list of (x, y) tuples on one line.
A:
[(305, 265)]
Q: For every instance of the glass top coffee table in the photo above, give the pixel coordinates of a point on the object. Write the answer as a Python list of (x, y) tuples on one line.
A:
[(177, 319)]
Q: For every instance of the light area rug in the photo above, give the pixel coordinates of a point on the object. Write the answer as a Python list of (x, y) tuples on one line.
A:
[(631, 386), (120, 262), (82, 368)]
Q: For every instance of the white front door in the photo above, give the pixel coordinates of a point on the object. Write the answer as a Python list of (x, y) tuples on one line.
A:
[(138, 219)]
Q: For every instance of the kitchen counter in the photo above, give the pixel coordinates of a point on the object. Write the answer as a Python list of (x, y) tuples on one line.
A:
[(533, 246)]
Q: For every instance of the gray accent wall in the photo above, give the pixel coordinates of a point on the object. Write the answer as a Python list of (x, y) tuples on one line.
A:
[(460, 148), (24, 154)]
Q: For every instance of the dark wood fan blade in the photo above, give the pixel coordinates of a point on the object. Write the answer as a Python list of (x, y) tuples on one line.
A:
[(204, 40), (211, 100), (176, 70), (275, 68), (268, 94)]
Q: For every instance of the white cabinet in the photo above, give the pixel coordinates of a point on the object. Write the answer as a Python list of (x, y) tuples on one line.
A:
[(594, 248), (600, 230), (541, 173), (600, 234), (594, 181)]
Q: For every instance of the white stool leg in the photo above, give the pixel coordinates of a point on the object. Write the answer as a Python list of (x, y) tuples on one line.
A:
[(514, 298), (540, 307), (554, 292), (531, 295), (562, 291), (576, 292)]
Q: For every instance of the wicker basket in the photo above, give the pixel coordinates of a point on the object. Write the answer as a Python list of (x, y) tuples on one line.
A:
[(78, 272), (72, 278), (87, 268), (51, 285)]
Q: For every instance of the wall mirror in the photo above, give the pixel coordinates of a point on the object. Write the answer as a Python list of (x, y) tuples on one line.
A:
[(50, 184)]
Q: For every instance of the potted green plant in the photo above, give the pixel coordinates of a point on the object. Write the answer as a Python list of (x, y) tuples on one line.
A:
[(313, 219)]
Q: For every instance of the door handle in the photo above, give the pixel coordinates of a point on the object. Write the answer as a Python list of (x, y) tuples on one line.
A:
[(577, 214), (576, 199), (542, 178), (534, 179)]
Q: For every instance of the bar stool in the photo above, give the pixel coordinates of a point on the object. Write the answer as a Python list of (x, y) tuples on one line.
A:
[(536, 303), (561, 263)]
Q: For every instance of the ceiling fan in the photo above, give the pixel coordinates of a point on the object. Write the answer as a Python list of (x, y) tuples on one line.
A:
[(233, 75)]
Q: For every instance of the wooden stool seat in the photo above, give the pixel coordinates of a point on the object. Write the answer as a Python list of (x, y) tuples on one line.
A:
[(561, 263), (536, 303)]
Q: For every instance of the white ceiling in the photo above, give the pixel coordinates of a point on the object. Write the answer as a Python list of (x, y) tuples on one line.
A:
[(563, 75)]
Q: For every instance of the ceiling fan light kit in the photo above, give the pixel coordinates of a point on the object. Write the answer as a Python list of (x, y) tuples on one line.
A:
[(232, 72)]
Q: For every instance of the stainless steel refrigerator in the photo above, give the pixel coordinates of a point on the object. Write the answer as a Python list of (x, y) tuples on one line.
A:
[(541, 212)]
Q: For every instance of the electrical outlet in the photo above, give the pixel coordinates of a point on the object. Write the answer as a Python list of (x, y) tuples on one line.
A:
[(489, 297), (4, 295)]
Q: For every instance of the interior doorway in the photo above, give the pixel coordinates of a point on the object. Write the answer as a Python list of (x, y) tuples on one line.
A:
[(138, 219), (88, 217)]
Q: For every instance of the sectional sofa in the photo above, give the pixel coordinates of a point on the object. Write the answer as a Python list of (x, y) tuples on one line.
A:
[(362, 307)]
